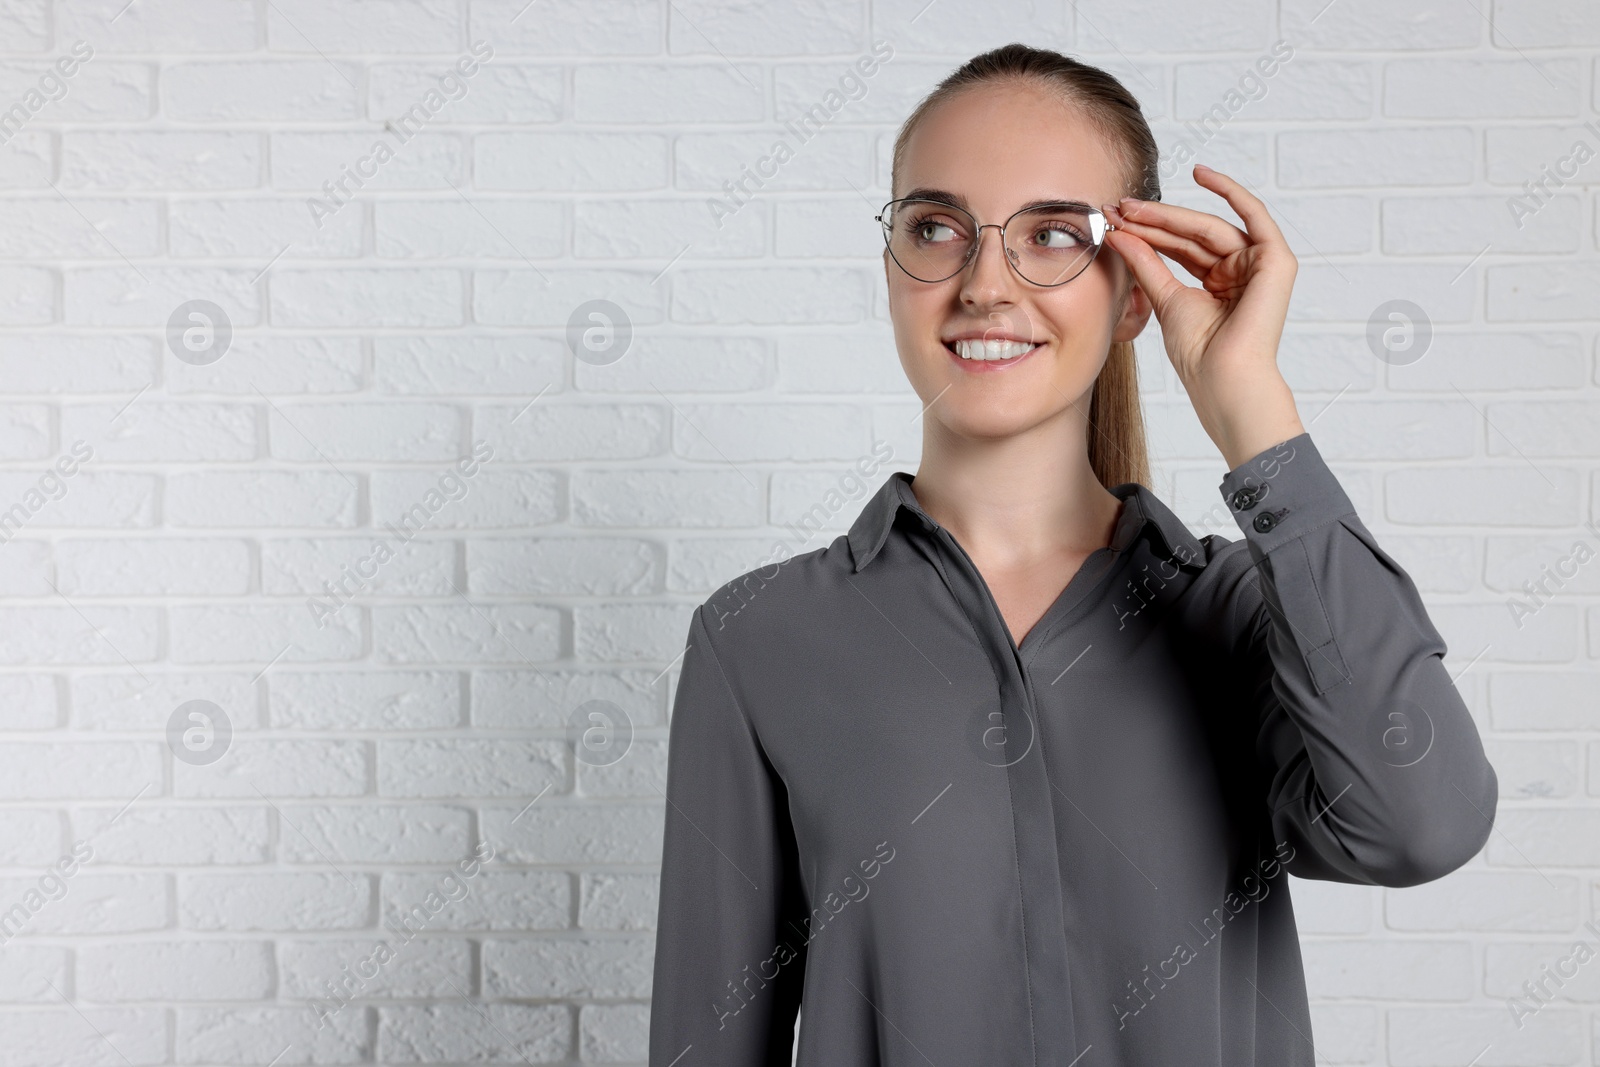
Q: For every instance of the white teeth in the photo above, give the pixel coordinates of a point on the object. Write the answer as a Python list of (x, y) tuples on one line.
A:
[(988, 350)]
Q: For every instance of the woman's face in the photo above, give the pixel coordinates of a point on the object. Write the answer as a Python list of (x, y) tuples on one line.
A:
[(998, 148)]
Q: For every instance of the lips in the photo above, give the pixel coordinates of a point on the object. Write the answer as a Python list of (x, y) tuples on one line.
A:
[(980, 354)]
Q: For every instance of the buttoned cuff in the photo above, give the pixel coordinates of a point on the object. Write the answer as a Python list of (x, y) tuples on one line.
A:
[(1283, 492)]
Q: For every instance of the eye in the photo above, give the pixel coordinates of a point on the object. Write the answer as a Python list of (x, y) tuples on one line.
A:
[(933, 231), (1058, 235)]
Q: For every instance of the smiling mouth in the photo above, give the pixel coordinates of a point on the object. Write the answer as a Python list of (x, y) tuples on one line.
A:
[(974, 350)]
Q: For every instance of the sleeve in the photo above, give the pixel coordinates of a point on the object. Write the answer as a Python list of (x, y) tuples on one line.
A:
[(730, 958), (1375, 771)]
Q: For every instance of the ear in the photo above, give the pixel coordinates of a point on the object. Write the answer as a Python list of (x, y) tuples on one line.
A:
[(1136, 312)]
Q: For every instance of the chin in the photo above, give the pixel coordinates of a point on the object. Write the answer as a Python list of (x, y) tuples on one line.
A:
[(989, 418)]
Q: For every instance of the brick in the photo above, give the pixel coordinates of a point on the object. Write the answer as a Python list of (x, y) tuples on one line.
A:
[(113, 296), (26, 25), (493, 900), (143, 834), (421, 967), (30, 973), (98, 904), (817, 295), (1413, 970), (494, 498), (104, 635), (29, 702), (151, 431), (1380, 25), (145, 701), (465, 632), (66, 363), (258, 229), (545, 699), (1234, 27), (660, 498), (533, 1033), (229, 26), (383, 834), (259, 366), (256, 1035), (470, 767), (699, 364), (50, 229), (175, 970), (668, 93), (260, 634), (1523, 87), (1432, 156), (605, 27), (306, 565), (257, 498), (274, 901), (296, 768), (564, 162), (653, 228), (556, 831), (605, 633), (497, 92), (161, 159), (480, 229), (365, 700), (367, 298), (568, 966), (29, 296), (99, 770), (30, 838), (376, 25), (283, 90), (551, 298), (617, 901), (553, 431), (138, 567), (113, 1037), (430, 365), (614, 1032), (308, 160), (335, 432), (586, 566)]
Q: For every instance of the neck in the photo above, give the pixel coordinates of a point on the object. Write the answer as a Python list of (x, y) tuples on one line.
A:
[(1017, 499)]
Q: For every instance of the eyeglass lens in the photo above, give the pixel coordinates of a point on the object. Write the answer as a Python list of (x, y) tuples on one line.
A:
[(1048, 245)]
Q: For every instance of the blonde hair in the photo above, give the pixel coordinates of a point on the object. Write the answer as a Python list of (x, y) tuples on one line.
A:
[(1116, 440)]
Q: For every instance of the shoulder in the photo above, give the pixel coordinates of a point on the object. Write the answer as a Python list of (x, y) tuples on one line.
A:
[(780, 593)]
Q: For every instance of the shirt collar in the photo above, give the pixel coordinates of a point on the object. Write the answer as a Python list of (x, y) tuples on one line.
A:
[(1141, 508)]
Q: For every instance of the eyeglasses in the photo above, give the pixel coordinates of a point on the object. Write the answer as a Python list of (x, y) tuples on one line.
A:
[(933, 241)]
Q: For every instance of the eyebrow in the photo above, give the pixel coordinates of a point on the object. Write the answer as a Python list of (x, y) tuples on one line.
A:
[(957, 200)]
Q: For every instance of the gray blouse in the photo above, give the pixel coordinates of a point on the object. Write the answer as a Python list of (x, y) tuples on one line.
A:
[(958, 851)]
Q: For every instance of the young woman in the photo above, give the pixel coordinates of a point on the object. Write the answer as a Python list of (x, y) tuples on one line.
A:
[(1011, 773)]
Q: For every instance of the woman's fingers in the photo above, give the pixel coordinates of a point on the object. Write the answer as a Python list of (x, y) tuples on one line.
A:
[(1176, 224), (1273, 263), (1195, 259), (1259, 224), (1197, 240)]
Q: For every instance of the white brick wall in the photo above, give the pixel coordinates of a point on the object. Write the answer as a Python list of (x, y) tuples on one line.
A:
[(423, 309)]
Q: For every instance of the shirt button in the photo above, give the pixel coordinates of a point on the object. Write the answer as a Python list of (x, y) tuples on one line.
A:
[(1246, 498), (1264, 522)]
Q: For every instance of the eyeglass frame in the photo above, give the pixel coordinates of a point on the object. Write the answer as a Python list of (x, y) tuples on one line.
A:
[(1094, 213)]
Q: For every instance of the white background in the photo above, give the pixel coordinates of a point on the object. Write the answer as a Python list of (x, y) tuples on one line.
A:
[(429, 312)]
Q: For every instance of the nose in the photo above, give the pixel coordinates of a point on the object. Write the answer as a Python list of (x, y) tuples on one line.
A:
[(988, 278)]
